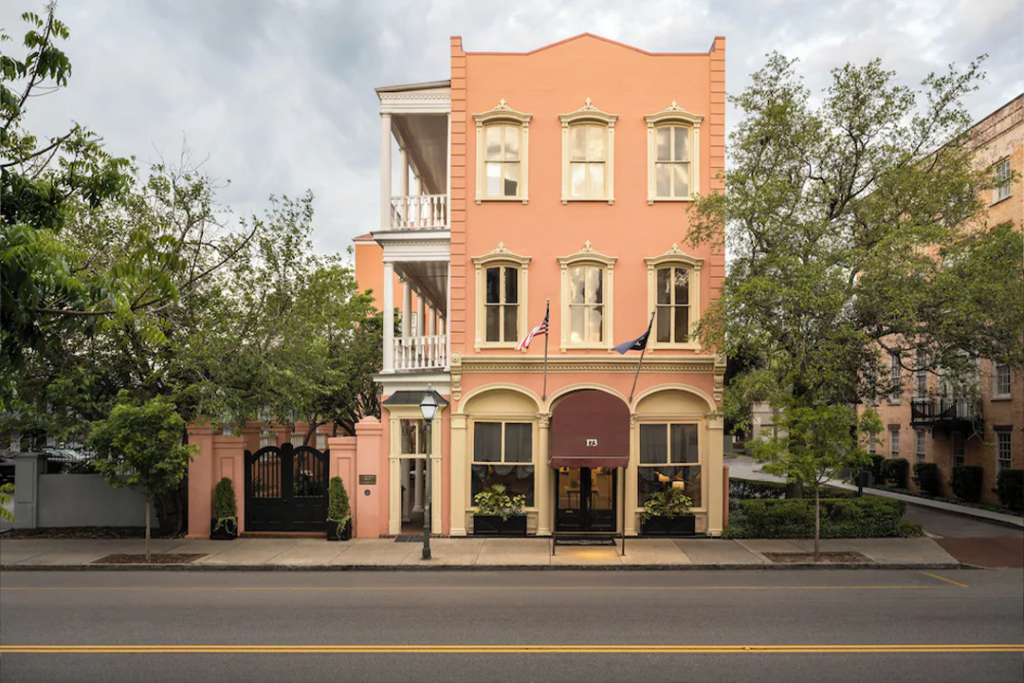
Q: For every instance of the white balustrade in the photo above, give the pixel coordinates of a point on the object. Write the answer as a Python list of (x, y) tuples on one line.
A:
[(419, 212), (421, 353)]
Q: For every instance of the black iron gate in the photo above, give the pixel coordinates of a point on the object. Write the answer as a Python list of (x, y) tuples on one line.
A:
[(286, 489)]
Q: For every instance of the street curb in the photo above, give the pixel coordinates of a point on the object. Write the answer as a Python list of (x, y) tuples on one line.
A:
[(466, 567), (963, 513)]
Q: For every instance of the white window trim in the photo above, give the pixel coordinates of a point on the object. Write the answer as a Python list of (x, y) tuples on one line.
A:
[(1009, 187), (587, 256), (676, 116), (501, 256), (503, 114), (895, 397), (996, 396), (999, 460), (674, 257), (588, 114), (894, 439), (920, 446)]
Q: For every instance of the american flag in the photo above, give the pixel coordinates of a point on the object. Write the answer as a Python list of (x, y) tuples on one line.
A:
[(542, 328)]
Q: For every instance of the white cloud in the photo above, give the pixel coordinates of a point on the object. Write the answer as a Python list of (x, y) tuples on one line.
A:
[(279, 95)]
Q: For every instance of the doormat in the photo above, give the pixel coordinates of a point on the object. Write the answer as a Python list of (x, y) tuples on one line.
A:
[(791, 558), (585, 541), (409, 538)]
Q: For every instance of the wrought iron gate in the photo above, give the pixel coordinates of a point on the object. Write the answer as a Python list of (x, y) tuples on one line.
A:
[(286, 489)]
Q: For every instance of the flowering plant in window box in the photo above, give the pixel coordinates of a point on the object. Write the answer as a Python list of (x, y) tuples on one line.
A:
[(667, 513), (499, 514)]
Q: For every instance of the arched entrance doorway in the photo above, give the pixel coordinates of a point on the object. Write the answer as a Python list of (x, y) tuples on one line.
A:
[(589, 447)]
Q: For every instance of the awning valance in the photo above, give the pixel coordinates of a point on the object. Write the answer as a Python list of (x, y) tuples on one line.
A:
[(590, 429)]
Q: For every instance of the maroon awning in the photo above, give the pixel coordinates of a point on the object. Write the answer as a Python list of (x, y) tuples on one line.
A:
[(590, 429)]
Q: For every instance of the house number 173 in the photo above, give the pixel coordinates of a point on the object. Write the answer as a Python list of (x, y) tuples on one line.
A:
[(591, 443)]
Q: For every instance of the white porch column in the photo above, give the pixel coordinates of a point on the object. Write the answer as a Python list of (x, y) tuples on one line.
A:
[(385, 171), (421, 313), (403, 180), (406, 309), (421, 470), (389, 319), (432, 323)]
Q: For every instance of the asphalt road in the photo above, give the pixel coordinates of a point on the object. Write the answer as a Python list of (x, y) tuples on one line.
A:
[(791, 625)]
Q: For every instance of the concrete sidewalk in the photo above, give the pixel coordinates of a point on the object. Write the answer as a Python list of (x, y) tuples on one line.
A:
[(470, 553)]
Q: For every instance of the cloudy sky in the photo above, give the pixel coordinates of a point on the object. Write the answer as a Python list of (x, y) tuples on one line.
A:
[(278, 94)]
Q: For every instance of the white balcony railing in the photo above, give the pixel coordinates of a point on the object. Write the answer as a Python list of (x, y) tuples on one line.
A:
[(421, 353), (419, 212)]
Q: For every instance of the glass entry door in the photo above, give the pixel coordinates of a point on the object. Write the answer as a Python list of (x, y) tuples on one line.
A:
[(585, 499)]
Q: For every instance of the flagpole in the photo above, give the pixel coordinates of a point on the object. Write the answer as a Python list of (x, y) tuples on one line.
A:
[(547, 313), (640, 362)]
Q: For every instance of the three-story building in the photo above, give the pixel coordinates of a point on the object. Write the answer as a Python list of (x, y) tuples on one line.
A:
[(556, 180)]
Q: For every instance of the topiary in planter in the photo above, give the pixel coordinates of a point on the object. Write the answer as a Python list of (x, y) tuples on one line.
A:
[(927, 478), (1010, 489), (338, 510), (967, 482), (225, 511)]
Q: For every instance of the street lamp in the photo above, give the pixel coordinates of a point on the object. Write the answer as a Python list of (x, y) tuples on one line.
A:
[(428, 406)]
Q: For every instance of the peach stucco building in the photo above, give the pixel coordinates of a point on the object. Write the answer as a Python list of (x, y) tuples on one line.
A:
[(561, 175), (922, 422)]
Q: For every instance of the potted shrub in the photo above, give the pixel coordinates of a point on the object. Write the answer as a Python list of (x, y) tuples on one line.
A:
[(224, 525), (499, 514), (667, 513), (338, 512)]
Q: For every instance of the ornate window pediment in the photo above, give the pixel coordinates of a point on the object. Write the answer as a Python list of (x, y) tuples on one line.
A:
[(673, 154), (673, 295), (501, 298), (588, 154), (502, 154)]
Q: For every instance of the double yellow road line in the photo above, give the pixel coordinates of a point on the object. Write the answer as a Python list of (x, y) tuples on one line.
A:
[(511, 649)]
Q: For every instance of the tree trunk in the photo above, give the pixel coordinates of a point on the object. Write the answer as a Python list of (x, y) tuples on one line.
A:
[(817, 525), (310, 432), (147, 529), (794, 489)]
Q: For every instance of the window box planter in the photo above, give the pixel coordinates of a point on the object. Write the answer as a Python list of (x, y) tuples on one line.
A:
[(494, 525), (345, 535), (684, 525), (226, 532)]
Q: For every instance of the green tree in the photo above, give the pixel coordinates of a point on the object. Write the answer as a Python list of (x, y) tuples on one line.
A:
[(139, 446), (855, 228)]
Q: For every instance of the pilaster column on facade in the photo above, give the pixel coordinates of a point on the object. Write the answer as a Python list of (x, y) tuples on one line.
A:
[(417, 500), (421, 313), (389, 308), (543, 496), (447, 327), (385, 171), (715, 476), (406, 309), (459, 493), (434, 463), (629, 481), (403, 180)]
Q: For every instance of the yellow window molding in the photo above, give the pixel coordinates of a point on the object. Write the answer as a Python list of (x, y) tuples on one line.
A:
[(674, 258), (502, 154), (506, 261), (677, 133), (602, 280), (588, 155)]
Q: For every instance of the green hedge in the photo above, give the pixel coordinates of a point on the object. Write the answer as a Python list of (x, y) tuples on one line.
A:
[(868, 517), (753, 489), (877, 473), (1010, 489), (928, 478), (967, 482)]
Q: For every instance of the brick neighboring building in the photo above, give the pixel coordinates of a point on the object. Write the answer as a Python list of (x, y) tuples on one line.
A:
[(922, 426)]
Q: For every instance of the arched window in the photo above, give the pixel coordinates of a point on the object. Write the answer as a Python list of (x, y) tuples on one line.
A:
[(588, 155), (673, 155), (673, 283), (587, 299), (500, 298), (502, 154)]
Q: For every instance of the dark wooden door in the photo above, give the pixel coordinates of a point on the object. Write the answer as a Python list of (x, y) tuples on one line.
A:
[(286, 489), (585, 499)]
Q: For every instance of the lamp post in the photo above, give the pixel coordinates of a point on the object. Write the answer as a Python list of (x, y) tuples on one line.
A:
[(428, 406)]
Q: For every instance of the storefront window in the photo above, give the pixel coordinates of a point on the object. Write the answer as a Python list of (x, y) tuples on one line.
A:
[(669, 456), (503, 454)]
